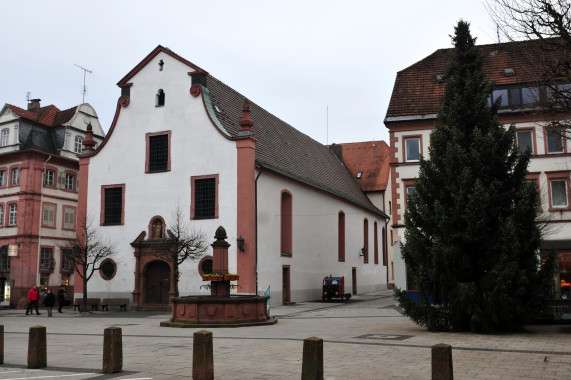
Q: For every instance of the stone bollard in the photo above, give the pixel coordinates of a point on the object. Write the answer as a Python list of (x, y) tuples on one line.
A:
[(112, 350), (1, 344), (442, 362), (37, 351), (312, 365), (202, 356)]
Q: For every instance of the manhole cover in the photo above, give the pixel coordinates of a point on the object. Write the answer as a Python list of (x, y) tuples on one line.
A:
[(384, 336)]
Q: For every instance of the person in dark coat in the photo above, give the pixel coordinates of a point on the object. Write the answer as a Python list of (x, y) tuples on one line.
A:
[(32, 300), (50, 301), (60, 298)]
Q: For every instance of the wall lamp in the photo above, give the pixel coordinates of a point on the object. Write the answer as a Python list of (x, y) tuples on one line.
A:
[(363, 252), (240, 242)]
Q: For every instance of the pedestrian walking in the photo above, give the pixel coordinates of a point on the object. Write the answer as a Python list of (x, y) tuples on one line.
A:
[(60, 298), (33, 300), (50, 301)]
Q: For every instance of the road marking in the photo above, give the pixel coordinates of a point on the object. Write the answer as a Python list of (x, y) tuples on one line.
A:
[(50, 376)]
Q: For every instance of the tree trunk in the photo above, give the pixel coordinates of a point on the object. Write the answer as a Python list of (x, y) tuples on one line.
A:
[(175, 276), (83, 306)]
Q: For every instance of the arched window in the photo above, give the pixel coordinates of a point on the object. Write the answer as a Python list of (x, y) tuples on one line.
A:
[(384, 243), (286, 224), (376, 243), (78, 146), (5, 137), (341, 236), (366, 239), (160, 99)]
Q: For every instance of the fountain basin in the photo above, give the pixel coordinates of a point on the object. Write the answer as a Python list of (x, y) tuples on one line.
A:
[(212, 311)]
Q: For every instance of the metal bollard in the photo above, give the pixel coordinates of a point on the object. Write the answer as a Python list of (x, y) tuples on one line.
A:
[(442, 362), (202, 356), (112, 350), (37, 351), (312, 365)]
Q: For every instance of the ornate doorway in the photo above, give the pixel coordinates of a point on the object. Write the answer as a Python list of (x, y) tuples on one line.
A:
[(157, 283)]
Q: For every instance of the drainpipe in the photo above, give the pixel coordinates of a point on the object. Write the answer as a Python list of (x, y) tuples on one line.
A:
[(256, 222), (387, 248), (41, 220)]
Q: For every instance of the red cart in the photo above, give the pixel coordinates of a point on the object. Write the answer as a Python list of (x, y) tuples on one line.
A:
[(334, 287)]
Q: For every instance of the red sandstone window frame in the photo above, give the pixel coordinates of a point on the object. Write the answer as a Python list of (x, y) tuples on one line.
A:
[(9, 213), (563, 175), (63, 226), (404, 150), (533, 138), (62, 255), (102, 211), (51, 267), (407, 183), (341, 236), (286, 223), (148, 151), (12, 169), (193, 180), (6, 173), (384, 243), (375, 243), (74, 181), (563, 139), (366, 240), (53, 222), (2, 213), (53, 184), (535, 177), (209, 257), (105, 261)]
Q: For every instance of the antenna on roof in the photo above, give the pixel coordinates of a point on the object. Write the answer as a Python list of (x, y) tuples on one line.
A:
[(28, 97), (327, 126), (498, 33), (85, 71)]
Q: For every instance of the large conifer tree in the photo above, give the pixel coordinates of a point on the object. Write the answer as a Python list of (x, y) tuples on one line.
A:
[(471, 235)]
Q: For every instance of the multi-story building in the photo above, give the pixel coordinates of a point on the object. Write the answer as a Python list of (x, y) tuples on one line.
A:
[(517, 70), (186, 141), (39, 174)]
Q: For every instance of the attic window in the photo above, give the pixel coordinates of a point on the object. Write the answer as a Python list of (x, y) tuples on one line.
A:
[(160, 99), (440, 78), (509, 72), (161, 64), (359, 175), (217, 108)]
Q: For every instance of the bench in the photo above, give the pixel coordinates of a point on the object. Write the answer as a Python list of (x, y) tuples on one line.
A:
[(94, 302), (121, 302)]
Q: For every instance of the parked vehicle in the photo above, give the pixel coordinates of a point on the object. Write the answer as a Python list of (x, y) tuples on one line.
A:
[(334, 287)]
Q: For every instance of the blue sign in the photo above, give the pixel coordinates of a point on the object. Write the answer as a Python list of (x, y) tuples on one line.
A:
[(267, 294)]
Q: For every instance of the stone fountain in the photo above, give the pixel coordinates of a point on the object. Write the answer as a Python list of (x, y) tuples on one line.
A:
[(220, 308)]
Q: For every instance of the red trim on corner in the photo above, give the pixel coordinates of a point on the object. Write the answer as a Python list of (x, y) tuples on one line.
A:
[(341, 236), (366, 240)]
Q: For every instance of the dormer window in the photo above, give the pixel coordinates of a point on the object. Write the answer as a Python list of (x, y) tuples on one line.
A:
[(78, 146), (5, 137), (160, 99), (359, 175)]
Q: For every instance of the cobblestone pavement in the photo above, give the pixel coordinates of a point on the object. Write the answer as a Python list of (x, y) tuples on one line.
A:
[(366, 338)]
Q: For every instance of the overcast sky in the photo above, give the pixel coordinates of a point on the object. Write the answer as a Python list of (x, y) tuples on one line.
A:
[(294, 58)]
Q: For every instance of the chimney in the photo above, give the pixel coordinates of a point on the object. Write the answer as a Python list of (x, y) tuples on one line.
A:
[(33, 104)]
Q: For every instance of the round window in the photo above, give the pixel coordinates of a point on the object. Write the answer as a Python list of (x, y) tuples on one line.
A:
[(107, 270), (206, 266)]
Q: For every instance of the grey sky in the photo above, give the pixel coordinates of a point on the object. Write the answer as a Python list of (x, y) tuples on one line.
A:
[(294, 58)]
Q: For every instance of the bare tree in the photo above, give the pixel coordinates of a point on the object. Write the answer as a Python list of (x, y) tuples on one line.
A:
[(182, 243), (549, 23), (87, 251)]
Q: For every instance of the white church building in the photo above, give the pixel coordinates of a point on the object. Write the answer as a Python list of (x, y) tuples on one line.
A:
[(182, 139)]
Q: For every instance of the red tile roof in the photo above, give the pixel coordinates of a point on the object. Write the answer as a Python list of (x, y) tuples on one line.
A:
[(417, 92), (49, 116), (370, 158)]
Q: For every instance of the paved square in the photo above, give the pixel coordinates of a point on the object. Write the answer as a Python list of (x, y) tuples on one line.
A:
[(364, 339)]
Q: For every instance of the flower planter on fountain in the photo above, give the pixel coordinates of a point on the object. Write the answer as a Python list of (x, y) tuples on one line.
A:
[(220, 308)]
